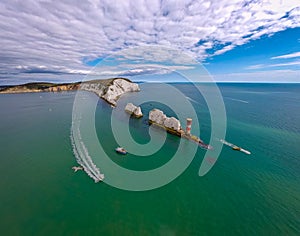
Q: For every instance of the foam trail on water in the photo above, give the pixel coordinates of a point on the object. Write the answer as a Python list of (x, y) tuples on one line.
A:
[(82, 156), (85, 161), (78, 154), (192, 100), (237, 100)]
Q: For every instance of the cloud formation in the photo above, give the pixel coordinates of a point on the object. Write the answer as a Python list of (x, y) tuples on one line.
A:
[(41, 37), (287, 56), (262, 66), (268, 76)]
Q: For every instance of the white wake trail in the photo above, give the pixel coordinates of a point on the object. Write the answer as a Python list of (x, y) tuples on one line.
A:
[(83, 158), (237, 100), (192, 100)]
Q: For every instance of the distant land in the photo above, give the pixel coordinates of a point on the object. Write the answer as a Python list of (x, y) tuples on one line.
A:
[(108, 89)]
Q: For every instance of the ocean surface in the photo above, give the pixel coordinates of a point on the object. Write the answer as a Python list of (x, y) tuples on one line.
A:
[(257, 194)]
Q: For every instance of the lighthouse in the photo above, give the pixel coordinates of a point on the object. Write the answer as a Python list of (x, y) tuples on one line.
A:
[(188, 126)]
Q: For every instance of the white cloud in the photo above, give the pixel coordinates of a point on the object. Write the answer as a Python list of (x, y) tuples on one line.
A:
[(292, 63), (291, 55), (280, 76), (223, 50), (262, 66), (157, 54), (254, 67), (63, 33)]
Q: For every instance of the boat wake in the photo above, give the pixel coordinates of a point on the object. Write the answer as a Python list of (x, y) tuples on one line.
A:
[(234, 147), (83, 158), (192, 100), (237, 100)]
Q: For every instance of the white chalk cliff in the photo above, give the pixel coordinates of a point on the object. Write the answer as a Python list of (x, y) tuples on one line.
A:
[(112, 90), (160, 118), (134, 110), (119, 87)]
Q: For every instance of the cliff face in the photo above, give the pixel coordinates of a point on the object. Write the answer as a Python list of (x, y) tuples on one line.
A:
[(67, 87), (109, 89), (40, 87), (119, 87)]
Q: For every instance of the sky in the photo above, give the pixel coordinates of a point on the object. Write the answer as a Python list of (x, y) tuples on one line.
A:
[(147, 40)]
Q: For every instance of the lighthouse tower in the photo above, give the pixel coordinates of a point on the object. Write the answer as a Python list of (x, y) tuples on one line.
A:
[(188, 126)]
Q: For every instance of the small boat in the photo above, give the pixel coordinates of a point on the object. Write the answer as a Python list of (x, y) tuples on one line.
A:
[(236, 148), (76, 168), (121, 150)]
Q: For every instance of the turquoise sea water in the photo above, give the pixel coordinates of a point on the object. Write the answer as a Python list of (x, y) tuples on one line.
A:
[(241, 195)]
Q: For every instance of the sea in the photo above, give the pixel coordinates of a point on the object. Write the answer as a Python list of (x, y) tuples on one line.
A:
[(257, 194)]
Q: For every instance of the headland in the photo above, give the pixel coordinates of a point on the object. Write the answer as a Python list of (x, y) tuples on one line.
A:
[(108, 89)]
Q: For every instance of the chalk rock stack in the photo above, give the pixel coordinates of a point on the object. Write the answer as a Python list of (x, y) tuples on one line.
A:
[(134, 110), (157, 116)]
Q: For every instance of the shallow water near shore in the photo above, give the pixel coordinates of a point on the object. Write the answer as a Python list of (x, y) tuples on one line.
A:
[(257, 194)]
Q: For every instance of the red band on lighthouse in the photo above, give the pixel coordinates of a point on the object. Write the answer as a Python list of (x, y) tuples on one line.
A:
[(188, 126)]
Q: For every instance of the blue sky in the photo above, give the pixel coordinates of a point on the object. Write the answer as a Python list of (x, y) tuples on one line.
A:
[(150, 40), (266, 55), (257, 52)]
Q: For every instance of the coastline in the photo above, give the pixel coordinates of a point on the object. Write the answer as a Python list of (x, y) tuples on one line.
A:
[(109, 90)]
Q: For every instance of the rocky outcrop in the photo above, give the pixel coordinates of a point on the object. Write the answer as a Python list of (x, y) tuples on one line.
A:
[(172, 123), (158, 117), (134, 110), (172, 126)]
